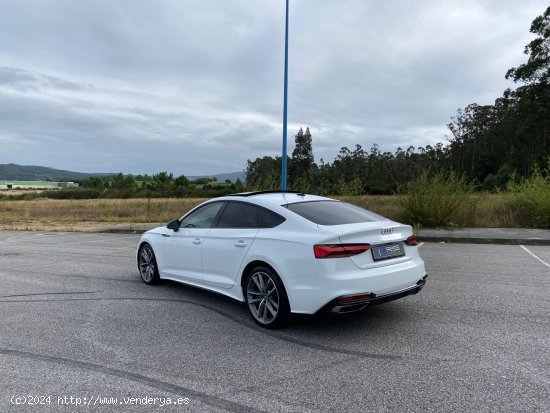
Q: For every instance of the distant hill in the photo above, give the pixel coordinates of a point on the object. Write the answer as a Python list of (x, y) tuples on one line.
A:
[(13, 172), (232, 176)]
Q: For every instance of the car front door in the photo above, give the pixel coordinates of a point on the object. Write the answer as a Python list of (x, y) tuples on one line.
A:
[(227, 243), (182, 248)]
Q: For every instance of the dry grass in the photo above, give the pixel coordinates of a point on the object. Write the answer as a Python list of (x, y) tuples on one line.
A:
[(83, 226), (51, 214), (103, 214), (487, 210), (17, 192), (490, 211)]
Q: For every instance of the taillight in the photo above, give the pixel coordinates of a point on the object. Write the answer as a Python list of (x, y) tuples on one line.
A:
[(411, 240), (339, 250)]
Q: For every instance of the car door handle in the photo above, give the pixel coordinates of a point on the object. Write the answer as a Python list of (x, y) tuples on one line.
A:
[(166, 235), (240, 244), (197, 241)]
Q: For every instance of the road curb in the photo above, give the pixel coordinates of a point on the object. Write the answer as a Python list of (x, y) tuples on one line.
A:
[(443, 238), (121, 231), (494, 241)]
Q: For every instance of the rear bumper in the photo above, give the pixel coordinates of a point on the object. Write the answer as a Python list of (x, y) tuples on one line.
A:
[(342, 305), (341, 277)]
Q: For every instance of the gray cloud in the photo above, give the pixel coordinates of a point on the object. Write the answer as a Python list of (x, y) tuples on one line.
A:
[(196, 86)]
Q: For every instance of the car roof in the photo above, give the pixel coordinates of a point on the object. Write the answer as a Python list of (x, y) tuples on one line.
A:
[(278, 197)]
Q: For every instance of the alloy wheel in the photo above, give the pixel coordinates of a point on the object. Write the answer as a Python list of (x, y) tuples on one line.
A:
[(262, 297), (147, 264)]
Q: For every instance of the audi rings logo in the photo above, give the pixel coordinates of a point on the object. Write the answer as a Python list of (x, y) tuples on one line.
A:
[(387, 231)]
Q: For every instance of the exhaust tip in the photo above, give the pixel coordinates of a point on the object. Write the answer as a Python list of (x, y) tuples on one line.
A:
[(344, 309)]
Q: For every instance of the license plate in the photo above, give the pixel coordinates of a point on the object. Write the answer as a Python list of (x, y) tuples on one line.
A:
[(383, 252)]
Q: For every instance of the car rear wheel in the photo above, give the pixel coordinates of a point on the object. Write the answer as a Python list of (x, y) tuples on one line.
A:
[(266, 298), (147, 265)]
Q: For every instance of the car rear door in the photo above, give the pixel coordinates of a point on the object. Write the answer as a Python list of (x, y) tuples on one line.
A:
[(227, 243)]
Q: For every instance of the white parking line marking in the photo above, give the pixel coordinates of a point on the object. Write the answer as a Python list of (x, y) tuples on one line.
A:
[(535, 256), (420, 244)]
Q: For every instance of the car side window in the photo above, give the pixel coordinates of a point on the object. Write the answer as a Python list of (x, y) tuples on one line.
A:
[(239, 215), (268, 219), (202, 217)]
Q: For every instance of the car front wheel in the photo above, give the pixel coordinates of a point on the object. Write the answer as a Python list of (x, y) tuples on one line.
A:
[(266, 298), (147, 265)]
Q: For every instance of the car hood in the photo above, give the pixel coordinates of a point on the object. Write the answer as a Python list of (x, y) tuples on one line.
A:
[(157, 230)]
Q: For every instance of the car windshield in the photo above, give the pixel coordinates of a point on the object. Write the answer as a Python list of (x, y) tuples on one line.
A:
[(333, 212)]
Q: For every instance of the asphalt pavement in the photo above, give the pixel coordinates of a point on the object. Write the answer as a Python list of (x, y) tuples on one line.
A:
[(76, 321)]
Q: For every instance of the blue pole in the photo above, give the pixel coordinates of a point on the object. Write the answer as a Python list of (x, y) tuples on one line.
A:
[(283, 176)]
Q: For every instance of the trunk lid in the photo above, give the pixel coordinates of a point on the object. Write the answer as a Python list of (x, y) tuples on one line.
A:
[(376, 233)]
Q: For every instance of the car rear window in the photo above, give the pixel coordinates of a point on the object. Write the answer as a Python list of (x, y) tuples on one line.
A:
[(333, 212)]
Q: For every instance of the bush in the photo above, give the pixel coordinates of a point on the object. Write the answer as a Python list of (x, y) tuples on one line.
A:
[(529, 199), (73, 193), (354, 187), (440, 201), (490, 183)]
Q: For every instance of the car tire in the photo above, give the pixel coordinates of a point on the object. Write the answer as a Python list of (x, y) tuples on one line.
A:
[(147, 265), (266, 298)]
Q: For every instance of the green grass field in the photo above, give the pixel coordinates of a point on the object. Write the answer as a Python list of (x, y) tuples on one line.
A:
[(30, 183)]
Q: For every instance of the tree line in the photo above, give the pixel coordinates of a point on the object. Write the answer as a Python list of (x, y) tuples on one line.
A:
[(161, 184), (489, 144)]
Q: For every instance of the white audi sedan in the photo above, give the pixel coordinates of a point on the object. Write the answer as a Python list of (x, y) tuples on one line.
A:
[(285, 252)]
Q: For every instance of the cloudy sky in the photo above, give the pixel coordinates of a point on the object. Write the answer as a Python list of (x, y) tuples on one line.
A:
[(195, 86)]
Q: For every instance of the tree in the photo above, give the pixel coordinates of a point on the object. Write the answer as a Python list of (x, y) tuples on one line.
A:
[(303, 151), (163, 181), (182, 182), (302, 160), (537, 68), (239, 187), (182, 186), (201, 181), (122, 182), (263, 173), (532, 100), (94, 182)]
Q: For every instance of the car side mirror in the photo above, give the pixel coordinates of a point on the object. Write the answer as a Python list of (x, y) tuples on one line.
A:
[(174, 225)]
